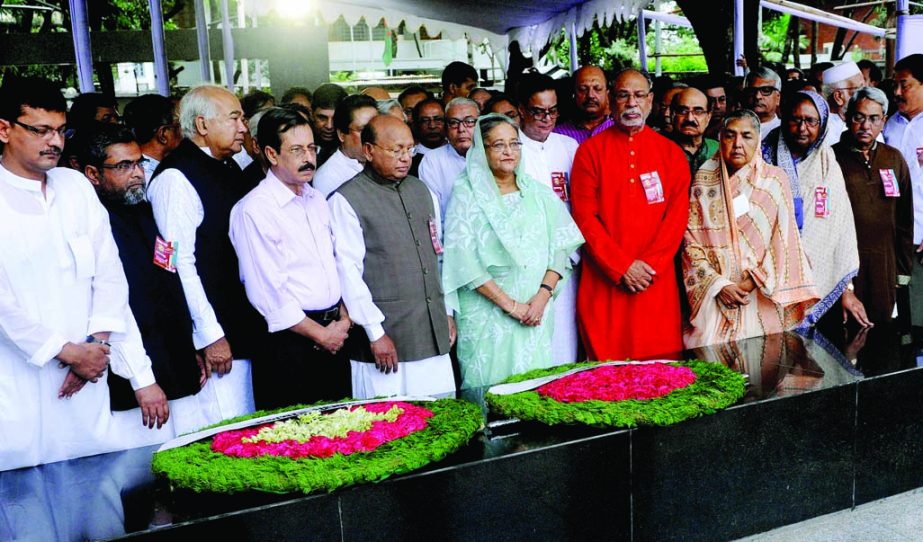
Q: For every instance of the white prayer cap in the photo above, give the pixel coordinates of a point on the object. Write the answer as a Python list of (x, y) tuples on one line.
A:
[(841, 73)]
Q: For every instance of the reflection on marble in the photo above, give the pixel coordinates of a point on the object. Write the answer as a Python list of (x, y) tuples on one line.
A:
[(78, 499), (782, 365), (792, 449)]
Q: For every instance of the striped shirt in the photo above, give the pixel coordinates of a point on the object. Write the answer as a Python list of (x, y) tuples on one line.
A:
[(579, 133)]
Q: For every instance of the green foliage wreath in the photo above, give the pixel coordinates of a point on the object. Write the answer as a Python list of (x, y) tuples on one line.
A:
[(198, 468), (716, 387)]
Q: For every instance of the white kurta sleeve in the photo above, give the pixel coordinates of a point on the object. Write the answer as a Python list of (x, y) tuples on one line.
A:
[(39, 344), (178, 213), (127, 357), (262, 268), (349, 245), (109, 287)]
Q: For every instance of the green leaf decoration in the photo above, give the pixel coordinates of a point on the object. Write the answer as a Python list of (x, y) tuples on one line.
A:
[(196, 467), (716, 387)]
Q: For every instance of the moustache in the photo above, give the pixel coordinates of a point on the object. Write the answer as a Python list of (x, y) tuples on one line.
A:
[(307, 167), (590, 101), (54, 150), (691, 124)]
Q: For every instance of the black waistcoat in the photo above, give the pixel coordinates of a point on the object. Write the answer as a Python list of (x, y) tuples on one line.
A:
[(219, 186), (156, 298)]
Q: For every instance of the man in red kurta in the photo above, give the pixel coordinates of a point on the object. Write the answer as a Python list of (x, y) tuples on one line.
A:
[(630, 195)]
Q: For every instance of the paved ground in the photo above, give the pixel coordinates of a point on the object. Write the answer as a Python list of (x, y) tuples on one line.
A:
[(895, 519)]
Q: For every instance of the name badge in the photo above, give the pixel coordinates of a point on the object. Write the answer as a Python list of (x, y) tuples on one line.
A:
[(741, 206), (165, 254), (437, 246), (821, 209), (920, 156), (559, 185), (653, 189), (889, 181)]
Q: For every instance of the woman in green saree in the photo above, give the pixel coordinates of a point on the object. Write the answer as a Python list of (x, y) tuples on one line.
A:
[(507, 245)]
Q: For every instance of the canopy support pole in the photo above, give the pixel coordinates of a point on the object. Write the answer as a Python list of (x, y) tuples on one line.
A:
[(81, 34), (201, 27), (227, 41), (738, 36), (642, 42), (572, 34), (161, 72), (903, 9), (658, 48)]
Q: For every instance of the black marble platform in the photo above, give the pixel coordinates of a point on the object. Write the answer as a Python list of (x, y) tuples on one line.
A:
[(813, 435)]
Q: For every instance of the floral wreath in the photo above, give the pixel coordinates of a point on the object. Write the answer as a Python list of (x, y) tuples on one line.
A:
[(625, 396), (351, 445)]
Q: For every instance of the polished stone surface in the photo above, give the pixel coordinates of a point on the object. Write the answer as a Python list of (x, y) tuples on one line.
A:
[(828, 422)]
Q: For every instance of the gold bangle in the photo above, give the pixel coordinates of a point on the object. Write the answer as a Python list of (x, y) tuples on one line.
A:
[(511, 311)]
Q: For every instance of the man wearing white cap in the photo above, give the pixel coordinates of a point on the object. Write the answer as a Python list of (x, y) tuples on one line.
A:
[(840, 83)]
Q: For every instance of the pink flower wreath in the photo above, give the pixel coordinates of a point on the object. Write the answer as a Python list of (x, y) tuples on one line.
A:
[(411, 419)]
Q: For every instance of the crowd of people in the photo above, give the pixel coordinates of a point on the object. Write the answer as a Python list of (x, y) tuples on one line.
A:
[(331, 244)]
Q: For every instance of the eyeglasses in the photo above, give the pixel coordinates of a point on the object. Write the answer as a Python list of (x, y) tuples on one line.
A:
[(501, 146), (859, 118), (624, 96), (300, 150), (537, 113), (697, 112), (467, 121), (126, 165), (808, 121), (763, 91), (399, 152), (45, 132), (431, 120)]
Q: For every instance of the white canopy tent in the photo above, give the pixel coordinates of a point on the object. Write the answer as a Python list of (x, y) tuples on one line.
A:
[(530, 23)]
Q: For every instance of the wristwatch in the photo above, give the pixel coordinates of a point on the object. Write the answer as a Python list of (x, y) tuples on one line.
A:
[(93, 340), (851, 287)]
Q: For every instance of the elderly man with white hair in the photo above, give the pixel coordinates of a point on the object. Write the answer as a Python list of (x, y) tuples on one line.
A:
[(840, 83), (878, 182), (762, 94), (440, 167), (192, 193)]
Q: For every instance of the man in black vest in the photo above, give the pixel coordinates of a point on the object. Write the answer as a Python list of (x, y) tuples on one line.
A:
[(192, 193), (387, 239), (113, 162)]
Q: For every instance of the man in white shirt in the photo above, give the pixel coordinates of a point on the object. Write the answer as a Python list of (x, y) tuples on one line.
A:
[(762, 93), (281, 232), (440, 167), (192, 193), (153, 120), (428, 126), (386, 231), (351, 116), (840, 83), (64, 312), (905, 132), (547, 157)]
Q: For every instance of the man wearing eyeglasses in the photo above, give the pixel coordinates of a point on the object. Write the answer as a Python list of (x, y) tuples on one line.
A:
[(63, 294), (904, 131), (351, 116), (281, 233), (630, 195), (840, 82), (548, 157), (440, 167), (878, 183), (691, 113), (386, 227), (113, 162), (762, 93)]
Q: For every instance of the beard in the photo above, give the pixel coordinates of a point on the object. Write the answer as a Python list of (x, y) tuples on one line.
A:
[(133, 195)]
